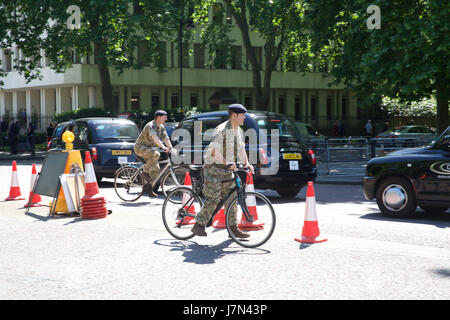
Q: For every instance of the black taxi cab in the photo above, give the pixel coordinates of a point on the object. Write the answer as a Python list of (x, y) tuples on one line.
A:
[(285, 167), (405, 179), (109, 140)]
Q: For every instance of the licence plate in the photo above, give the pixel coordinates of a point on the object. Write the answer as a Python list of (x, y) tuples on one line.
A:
[(293, 165), (121, 160), (290, 156), (121, 152)]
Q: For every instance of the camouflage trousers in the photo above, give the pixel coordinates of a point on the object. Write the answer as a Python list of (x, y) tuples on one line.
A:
[(214, 191), (151, 159)]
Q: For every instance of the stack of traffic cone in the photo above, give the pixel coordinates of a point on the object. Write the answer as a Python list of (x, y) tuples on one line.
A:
[(14, 191), (219, 220), (310, 230), (34, 198), (92, 205), (186, 198), (251, 205)]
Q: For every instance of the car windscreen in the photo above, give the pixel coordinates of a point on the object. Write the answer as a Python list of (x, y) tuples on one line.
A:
[(286, 127), (59, 130), (440, 140), (116, 131)]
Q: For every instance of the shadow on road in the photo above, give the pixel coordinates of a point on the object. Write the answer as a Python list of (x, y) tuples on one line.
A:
[(206, 254), (440, 220)]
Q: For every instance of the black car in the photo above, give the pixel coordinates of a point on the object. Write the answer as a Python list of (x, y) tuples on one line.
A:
[(110, 141), (295, 163), (406, 178)]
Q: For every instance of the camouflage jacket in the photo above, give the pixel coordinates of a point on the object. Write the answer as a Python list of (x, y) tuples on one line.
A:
[(150, 129), (227, 142)]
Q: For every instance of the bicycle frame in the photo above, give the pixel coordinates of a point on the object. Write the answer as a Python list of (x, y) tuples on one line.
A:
[(239, 188), (162, 172)]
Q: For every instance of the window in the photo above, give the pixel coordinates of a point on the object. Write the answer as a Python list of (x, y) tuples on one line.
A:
[(313, 108), (248, 101), (297, 107), (344, 107), (220, 61), (116, 130), (155, 100), (135, 102), (329, 111), (236, 57), (185, 55), (199, 55), (193, 102), (282, 105), (174, 100)]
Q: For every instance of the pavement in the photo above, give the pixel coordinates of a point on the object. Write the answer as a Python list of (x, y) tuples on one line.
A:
[(345, 172)]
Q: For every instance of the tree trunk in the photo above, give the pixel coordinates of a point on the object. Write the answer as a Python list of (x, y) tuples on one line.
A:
[(105, 78), (442, 97)]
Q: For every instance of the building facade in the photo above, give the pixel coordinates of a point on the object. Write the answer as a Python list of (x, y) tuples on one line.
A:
[(303, 97)]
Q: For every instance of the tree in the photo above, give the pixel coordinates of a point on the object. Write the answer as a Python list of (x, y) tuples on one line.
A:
[(407, 58), (110, 29), (279, 23)]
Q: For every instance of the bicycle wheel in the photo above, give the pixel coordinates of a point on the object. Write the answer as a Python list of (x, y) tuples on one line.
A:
[(167, 182), (178, 212), (263, 224), (128, 183)]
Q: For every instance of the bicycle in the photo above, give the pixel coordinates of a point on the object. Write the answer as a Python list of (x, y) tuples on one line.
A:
[(182, 204), (129, 179)]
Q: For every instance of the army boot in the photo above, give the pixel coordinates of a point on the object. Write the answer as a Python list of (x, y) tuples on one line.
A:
[(238, 233), (149, 190), (199, 230)]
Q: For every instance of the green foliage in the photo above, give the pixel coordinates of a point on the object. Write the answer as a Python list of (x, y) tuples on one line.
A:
[(422, 108), (82, 113), (406, 59)]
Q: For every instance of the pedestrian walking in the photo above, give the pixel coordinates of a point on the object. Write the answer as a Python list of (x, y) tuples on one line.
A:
[(50, 130), (340, 128), (13, 136), (368, 128), (30, 138)]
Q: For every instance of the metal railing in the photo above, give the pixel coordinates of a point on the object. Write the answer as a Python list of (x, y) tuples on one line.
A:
[(349, 156)]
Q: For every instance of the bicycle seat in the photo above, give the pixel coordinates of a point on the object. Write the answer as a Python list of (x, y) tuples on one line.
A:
[(194, 167)]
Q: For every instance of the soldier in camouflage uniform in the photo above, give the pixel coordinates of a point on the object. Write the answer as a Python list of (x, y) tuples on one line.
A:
[(153, 135), (227, 145)]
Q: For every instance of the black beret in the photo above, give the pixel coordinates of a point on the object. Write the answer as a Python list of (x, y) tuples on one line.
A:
[(160, 113), (237, 108)]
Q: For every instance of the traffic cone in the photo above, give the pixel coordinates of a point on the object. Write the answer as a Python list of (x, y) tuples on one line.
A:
[(251, 205), (14, 191), (34, 198), (91, 186), (310, 230), (219, 220), (190, 209), (92, 205)]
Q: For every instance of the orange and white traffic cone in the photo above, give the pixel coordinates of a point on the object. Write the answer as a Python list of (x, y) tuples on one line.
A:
[(310, 230), (186, 198), (14, 191), (34, 198), (251, 205), (93, 206), (219, 220), (91, 187)]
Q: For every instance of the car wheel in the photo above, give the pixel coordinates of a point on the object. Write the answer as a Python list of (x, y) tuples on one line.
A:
[(433, 209), (288, 193), (395, 197)]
